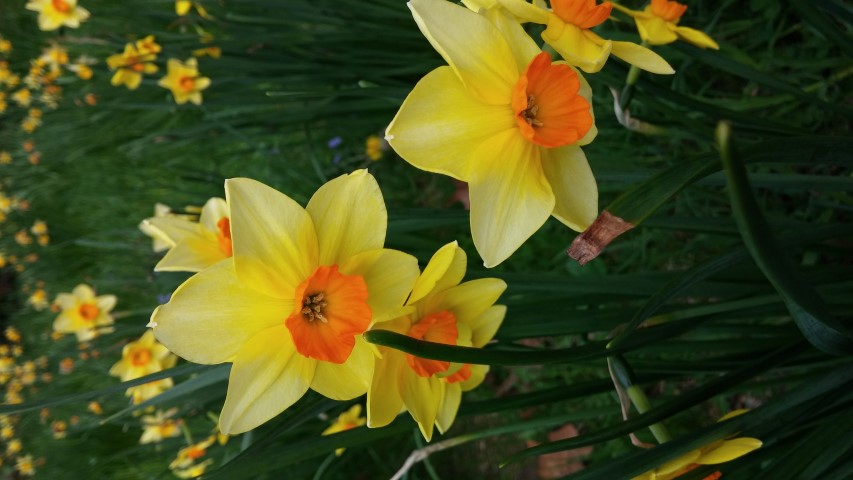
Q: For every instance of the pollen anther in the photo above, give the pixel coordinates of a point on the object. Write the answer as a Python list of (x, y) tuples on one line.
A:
[(312, 307)]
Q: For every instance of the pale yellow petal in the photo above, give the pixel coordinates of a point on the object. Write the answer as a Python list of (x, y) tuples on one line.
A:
[(525, 12), (478, 374), (510, 196), (696, 37), (422, 397), (471, 45), (176, 229), (573, 185), (729, 450), (577, 46), (349, 379), (384, 402), (641, 57), (655, 31), (268, 376), (83, 292), (389, 275), (191, 255), (484, 327), (440, 125), (349, 217), (467, 301), (523, 47), (449, 406), (273, 238), (182, 7), (106, 303), (212, 211), (211, 315), (445, 269)]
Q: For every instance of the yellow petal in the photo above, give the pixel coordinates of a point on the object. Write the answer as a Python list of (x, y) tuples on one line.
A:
[(576, 46), (212, 211), (733, 414), (182, 7), (445, 269), (267, 377), (641, 57), (478, 374), (678, 463), (384, 402), (696, 37), (440, 125), (573, 184), (729, 450), (175, 229), (655, 31), (471, 45), (106, 303), (83, 292), (349, 379), (422, 396), (211, 315), (449, 406), (191, 255), (349, 217), (468, 300), (525, 12), (201, 83), (523, 47), (273, 238), (389, 275), (510, 197), (476, 5), (484, 327)]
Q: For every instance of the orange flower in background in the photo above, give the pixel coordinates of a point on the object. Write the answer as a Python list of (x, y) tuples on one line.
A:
[(184, 81), (57, 13), (83, 313), (658, 25)]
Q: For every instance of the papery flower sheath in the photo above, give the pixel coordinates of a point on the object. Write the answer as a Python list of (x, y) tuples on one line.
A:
[(658, 24), (444, 311), (288, 309), (504, 118)]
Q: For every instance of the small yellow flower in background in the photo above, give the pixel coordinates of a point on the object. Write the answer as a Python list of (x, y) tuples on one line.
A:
[(83, 71), (445, 311), (30, 124), (568, 31), (54, 56), (183, 7), (130, 65), (720, 451), (322, 269), (193, 246), (38, 299), (24, 465), (34, 158), (5, 46), (3, 104), (212, 52), (148, 45), (159, 426), (23, 97), (142, 357), (346, 421), (193, 471), (373, 147), (95, 408), (5, 158), (43, 240), (84, 314), (505, 119), (658, 25), (148, 390), (13, 335), (184, 81), (57, 13), (91, 99), (59, 428), (23, 238), (187, 456), (13, 447)]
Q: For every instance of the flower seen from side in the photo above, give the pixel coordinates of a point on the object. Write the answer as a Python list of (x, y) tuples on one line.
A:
[(184, 80), (443, 311), (658, 24), (58, 13), (142, 357), (505, 119), (289, 308), (130, 65), (346, 421), (84, 314), (159, 426)]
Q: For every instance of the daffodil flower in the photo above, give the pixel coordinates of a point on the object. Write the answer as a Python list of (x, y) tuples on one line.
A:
[(184, 81), (444, 311), (568, 31), (130, 65), (148, 45), (658, 25), (142, 357), (57, 13), (193, 246), (147, 391), (346, 421), (290, 308), (183, 7), (83, 313), (720, 451), (503, 118), (159, 426)]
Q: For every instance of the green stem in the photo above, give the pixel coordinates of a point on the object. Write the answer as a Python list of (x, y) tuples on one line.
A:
[(627, 380), (628, 90)]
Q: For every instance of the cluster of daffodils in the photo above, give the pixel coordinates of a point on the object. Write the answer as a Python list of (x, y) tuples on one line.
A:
[(288, 291)]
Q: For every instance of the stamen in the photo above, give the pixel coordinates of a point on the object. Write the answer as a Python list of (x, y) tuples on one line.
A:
[(312, 307), (529, 113)]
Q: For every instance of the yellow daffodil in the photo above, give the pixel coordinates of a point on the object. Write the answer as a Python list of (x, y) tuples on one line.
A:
[(503, 118), (147, 391), (148, 45), (130, 65), (373, 148), (5, 158), (84, 314), (23, 97), (38, 300), (142, 357), (188, 455), (720, 451), (212, 52), (193, 471), (57, 13), (568, 31), (24, 465), (39, 227), (5, 46), (346, 421), (193, 246), (658, 25), (159, 426), (160, 241), (183, 7), (290, 308), (184, 81), (54, 55), (445, 311)]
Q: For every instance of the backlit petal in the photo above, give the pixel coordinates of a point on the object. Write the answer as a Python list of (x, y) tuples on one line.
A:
[(349, 217), (484, 327), (445, 269), (696, 37), (383, 399), (267, 377), (471, 45), (422, 397), (389, 275), (510, 197), (440, 125), (641, 57), (573, 185), (449, 406), (273, 238), (525, 12), (347, 380), (211, 315), (655, 31), (575, 46), (468, 300), (523, 47), (191, 255)]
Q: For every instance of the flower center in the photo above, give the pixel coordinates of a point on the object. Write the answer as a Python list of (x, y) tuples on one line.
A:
[(667, 10), (582, 13), (186, 84), (223, 236), (140, 357), (61, 6), (548, 108), (195, 452), (437, 327), (89, 311), (331, 309)]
